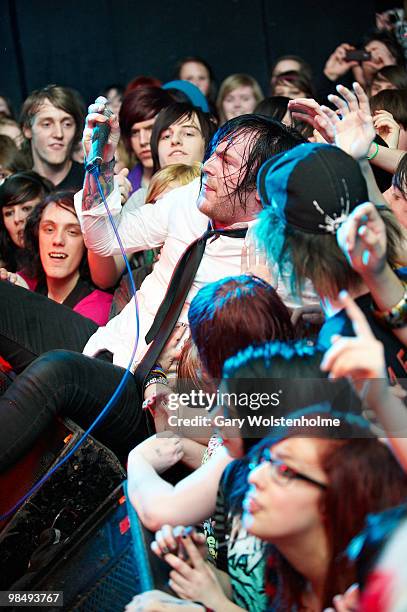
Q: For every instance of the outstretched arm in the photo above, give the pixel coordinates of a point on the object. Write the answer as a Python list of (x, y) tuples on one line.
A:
[(95, 118), (354, 133)]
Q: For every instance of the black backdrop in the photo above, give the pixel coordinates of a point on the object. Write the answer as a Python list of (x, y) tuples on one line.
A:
[(88, 44)]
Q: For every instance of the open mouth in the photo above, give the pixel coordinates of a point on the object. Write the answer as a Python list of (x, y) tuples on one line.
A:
[(57, 255)]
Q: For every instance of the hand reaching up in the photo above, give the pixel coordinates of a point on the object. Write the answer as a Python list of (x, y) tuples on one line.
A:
[(360, 357), (362, 239), (353, 129), (96, 117)]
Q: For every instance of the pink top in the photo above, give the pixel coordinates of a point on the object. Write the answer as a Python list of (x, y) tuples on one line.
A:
[(95, 306)]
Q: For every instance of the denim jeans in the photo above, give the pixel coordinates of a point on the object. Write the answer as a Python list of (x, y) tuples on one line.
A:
[(58, 382)]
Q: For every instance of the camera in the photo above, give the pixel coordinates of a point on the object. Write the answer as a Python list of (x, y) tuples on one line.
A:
[(357, 55)]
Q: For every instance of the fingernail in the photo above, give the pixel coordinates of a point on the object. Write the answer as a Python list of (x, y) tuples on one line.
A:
[(343, 294)]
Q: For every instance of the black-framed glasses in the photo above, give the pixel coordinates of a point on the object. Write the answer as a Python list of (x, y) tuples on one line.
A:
[(283, 474)]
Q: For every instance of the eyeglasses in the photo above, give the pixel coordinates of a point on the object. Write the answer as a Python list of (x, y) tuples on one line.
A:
[(282, 473)]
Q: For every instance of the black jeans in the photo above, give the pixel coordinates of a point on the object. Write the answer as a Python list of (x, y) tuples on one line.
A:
[(58, 382), (31, 324)]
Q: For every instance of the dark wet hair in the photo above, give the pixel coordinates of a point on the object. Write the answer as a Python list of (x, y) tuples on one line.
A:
[(174, 113), (264, 137)]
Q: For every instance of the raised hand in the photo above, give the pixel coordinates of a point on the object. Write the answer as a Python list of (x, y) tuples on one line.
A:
[(336, 65), (95, 117), (387, 127), (309, 111), (362, 239), (353, 131), (360, 357)]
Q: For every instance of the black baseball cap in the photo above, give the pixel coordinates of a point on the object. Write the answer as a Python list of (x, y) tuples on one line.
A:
[(312, 187)]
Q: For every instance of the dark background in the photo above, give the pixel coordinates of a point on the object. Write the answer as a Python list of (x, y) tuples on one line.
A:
[(88, 44)]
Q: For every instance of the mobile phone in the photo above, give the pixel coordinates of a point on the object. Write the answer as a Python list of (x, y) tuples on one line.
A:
[(357, 55)]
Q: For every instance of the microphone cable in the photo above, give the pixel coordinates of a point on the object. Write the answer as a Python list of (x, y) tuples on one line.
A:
[(120, 387)]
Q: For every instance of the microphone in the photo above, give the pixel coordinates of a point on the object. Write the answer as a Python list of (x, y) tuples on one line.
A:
[(99, 139)]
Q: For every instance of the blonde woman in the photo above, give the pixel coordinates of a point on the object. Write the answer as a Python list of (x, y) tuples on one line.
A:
[(170, 177), (238, 95)]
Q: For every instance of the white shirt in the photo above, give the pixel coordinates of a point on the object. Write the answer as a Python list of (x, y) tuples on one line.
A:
[(174, 222)]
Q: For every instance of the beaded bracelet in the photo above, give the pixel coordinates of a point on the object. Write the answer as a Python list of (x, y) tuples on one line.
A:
[(395, 317), (369, 157)]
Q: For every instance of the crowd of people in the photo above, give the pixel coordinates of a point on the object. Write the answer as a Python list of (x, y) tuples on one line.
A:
[(266, 238)]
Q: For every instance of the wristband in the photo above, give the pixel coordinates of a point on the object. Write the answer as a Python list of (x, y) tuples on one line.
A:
[(395, 317), (369, 157), (156, 380), (158, 368), (108, 166)]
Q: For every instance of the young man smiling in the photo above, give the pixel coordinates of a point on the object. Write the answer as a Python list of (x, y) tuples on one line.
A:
[(51, 120)]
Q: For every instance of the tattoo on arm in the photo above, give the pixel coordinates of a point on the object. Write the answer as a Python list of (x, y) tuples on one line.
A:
[(91, 194)]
